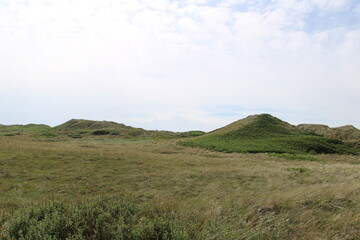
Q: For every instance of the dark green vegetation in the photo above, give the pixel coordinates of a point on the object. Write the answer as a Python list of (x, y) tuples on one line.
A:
[(265, 133), (95, 219)]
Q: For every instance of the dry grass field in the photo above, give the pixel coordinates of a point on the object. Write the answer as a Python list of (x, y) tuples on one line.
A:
[(223, 195)]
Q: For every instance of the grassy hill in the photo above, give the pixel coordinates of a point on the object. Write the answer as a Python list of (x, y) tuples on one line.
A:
[(248, 120), (80, 124), (81, 128), (85, 128), (27, 127), (11, 130), (265, 133), (349, 134)]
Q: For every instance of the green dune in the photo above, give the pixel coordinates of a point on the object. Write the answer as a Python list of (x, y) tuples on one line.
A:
[(265, 133)]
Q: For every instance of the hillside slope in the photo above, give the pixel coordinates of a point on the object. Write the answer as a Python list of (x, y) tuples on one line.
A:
[(83, 128), (349, 134), (265, 133), (97, 128), (248, 120), (79, 124), (27, 127)]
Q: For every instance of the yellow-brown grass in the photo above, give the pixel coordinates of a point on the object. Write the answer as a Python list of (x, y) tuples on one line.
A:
[(235, 196)]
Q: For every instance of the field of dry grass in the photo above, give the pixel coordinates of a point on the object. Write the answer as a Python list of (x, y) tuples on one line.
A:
[(229, 195)]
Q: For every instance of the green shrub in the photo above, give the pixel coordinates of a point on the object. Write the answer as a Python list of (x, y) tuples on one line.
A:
[(101, 132), (81, 131), (74, 136), (93, 219)]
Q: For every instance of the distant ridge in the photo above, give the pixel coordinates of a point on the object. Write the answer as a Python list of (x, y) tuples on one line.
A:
[(231, 137), (77, 124), (82, 128), (266, 133), (26, 127)]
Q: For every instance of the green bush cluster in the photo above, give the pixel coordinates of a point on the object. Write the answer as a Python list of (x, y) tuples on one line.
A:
[(93, 219), (101, 132)]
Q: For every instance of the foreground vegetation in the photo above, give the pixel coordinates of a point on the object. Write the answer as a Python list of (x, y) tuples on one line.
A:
[(266, 133), (189, 193), (94, 219), (104, 180)]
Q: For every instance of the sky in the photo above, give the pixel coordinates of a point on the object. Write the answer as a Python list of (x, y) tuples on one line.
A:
[(179, 65)]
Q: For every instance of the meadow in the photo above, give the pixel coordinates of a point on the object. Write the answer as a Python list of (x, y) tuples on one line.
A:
[(179, 191)]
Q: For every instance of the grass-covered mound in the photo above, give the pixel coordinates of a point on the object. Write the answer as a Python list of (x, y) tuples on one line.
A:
[(79, 128), (349, 134), (93, 219), (12, 130), (265, 133)]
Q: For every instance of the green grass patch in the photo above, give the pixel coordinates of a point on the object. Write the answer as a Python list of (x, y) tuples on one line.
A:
[(192, 134), (27, 127), (295, 157), (48, 134)]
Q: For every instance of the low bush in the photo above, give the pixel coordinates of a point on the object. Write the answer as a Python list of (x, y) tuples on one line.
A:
[(101, 132), (93, 219), (74, 136)]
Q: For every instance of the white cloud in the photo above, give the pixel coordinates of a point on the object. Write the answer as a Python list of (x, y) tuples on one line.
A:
[(197, 1)]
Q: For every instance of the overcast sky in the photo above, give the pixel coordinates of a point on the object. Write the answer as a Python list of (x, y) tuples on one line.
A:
[(179, 65)]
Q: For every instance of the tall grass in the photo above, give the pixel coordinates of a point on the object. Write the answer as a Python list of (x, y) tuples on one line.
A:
[(198, 193)]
